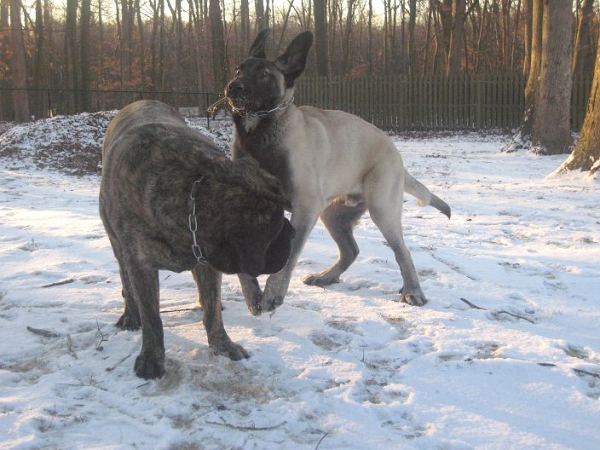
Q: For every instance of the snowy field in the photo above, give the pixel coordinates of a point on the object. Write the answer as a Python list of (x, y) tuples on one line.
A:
[(506, 354)]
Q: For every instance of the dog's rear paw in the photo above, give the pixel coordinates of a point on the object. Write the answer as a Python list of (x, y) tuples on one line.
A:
[(233, 351), (320, 279), (415, 299), (149, 367)]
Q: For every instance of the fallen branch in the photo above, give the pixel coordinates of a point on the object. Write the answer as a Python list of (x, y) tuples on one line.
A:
[(244, 428), (517, 316), (121, 361), (44, 333), (321, 440), (168, 311), (60, 283), (582, 372), (471, 305)]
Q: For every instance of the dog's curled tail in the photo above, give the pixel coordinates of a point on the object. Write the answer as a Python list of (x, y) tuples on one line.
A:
[(424, 196)]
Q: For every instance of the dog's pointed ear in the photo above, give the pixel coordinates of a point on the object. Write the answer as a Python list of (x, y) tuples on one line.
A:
[(293, 61), (258, 47)]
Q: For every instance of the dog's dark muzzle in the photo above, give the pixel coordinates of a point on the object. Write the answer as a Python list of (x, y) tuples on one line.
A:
[(275, 257), (235, 93)]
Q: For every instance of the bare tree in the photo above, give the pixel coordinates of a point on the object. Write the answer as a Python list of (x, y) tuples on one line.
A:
[(86, 76), (586, 155), (583, 52), (552, 112), (219, 59), (412, 51), (19, 67), (322, 55), (459, 15)]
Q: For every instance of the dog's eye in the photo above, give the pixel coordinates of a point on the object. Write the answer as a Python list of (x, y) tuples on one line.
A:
[(263, 75)]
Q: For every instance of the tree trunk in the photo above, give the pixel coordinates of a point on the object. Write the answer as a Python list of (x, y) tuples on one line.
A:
[(71, 57), (39, 108), (259, 8), (552, 115), (5, 97), (586, 155), (456, 37), (528, 21), (320, 11), (412, 51), (531, 88), (86, 77), (220, 72), (583, 52), (245, 22), (19, 67)]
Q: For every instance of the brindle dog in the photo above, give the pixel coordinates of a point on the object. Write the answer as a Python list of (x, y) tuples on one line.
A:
[(332, 165), (171, 200)]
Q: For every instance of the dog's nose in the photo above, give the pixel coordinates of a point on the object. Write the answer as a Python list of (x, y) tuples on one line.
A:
[(234, 88)]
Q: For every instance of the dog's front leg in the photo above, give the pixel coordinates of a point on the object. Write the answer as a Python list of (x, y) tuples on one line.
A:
[(209, 288), (252, 293), (303, 220)]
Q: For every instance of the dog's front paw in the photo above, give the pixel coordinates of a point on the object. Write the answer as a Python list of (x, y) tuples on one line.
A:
[(270, 304), (228, 348), (149, 366), (253, 304), (415, 299)]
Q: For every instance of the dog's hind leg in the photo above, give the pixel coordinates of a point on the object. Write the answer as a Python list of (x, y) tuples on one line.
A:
[(384, 200), (340, 220), (150, 363), (130, 319), (209, 288)]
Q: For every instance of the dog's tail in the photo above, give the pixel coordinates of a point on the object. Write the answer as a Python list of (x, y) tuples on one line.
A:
[(424, 196)]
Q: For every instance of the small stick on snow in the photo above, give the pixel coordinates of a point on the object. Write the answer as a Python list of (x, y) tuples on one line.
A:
[(44, 333), (244, 428), (59, 283), (516, 316), (472, 305)]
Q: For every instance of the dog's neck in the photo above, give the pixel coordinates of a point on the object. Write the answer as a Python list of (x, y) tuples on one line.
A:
[(249, 119)]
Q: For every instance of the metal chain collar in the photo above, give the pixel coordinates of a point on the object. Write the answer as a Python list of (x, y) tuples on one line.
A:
[(265, 112), (193, 225)]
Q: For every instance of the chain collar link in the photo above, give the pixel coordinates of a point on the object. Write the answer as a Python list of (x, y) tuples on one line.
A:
[(193, 225)]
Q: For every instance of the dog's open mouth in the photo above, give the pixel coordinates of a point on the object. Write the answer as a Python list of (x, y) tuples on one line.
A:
[(237, 103)]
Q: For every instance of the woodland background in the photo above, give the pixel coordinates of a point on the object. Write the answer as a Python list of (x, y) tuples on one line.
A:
[(77, 48)]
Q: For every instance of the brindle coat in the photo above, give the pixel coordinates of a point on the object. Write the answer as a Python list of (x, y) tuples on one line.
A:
[(151, 161), (331, 164)]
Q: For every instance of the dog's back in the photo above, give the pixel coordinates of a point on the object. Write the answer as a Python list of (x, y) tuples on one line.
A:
[(137, 115)]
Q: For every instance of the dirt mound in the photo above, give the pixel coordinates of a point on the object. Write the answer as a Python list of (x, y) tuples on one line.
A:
[(73, 144)]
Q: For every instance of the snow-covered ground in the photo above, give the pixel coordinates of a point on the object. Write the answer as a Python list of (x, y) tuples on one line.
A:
[(506, 354)]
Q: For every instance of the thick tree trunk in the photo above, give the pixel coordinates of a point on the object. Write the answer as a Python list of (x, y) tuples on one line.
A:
[(586, 155), (552, 115)]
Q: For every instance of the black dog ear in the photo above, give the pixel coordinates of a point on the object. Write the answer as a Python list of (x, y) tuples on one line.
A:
[(293, 61), (257, 49)]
